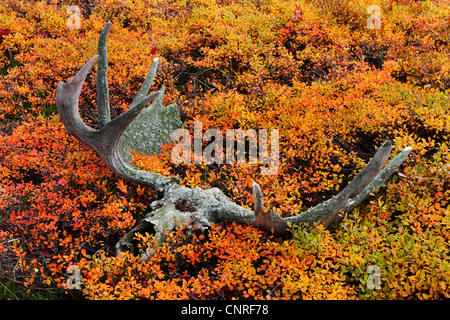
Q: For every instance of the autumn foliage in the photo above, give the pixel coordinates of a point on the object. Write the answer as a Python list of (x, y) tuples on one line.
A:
[(335, 89)]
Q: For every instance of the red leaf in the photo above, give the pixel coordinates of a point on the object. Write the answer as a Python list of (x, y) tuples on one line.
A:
[(3, 33)]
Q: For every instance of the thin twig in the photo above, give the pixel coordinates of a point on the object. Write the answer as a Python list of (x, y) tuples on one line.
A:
[(10, 292)]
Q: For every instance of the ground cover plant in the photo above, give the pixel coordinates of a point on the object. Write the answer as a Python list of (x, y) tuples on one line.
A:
[(317, 70)]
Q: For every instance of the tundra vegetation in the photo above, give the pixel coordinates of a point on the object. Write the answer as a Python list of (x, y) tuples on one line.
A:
[(336, 85)]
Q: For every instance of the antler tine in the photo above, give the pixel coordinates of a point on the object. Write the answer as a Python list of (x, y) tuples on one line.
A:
[(379, 180), (258, 199), (67, 97), (369, 172), (103, 106), (145, 88), (267, 220)]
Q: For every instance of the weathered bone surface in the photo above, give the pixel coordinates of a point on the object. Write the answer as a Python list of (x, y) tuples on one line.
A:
[(150, 129), (154, 124)]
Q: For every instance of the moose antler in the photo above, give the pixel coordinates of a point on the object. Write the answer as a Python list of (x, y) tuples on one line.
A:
[(182, 203)]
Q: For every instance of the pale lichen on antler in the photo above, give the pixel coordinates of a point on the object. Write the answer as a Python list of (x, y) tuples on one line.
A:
[(205, 206)]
